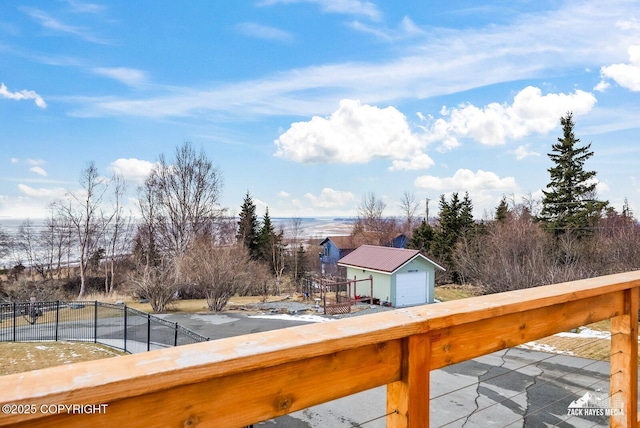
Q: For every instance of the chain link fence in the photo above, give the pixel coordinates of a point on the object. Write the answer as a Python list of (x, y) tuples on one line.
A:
[(114, 325)]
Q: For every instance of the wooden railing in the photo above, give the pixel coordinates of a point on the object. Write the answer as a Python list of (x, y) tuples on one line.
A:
[(242, 380)]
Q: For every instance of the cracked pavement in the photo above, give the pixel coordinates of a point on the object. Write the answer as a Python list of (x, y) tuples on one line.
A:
[(518, 388)]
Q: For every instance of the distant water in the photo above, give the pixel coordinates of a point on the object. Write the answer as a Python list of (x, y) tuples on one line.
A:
[(310, 228)]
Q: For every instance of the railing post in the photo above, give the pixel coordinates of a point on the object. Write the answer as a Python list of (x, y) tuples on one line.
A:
[(125, 328), (624, 363), (408, 398), (57, 317), (14, 321), (148, 332), (95, 322), (175, 337)]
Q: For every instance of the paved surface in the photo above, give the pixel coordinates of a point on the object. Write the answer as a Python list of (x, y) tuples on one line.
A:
[(519, 388)]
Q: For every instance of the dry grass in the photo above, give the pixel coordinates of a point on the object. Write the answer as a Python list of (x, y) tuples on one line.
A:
[(27, 356), (200, 305), (448, 292)]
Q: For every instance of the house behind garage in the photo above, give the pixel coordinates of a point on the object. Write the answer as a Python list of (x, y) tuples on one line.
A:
[(336, 247), (401, 277)]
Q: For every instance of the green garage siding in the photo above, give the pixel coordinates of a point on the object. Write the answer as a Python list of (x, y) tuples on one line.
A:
[(390, 268), (381, 283)]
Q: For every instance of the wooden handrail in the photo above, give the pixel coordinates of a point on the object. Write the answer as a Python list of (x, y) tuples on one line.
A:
[(241, 380)]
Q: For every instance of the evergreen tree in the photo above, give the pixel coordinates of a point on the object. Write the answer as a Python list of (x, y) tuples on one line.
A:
[(502, 211), (455, 221), (271, 248), (303, 264), (266, 238), (248, 226), (421, 238), (569, 203)]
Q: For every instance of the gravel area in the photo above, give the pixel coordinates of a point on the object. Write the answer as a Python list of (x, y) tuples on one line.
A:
[(295, 308)]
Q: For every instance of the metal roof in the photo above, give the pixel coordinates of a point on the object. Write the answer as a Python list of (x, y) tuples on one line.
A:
[(384, 259)]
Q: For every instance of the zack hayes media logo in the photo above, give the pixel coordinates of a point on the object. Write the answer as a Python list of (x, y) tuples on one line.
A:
[(596, 404)]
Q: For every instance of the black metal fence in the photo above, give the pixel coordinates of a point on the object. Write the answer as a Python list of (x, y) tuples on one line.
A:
[(114, 325)]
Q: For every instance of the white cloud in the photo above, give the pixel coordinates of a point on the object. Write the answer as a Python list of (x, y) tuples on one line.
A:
[(406, 29), (56, 193), (264, 32), (602, 86), (14, 160), (355, 133), (467, 180), (283, 194), (420, 161), (132, 169), (485, 188), (569, 37), (625, 75), (51, 23), (531, 112), (31, 203), (628, 24), (350, 7), (38, 170), (127, 76), (330, 198), (35, 162), (523, 152), (22, 95), (82, 7)]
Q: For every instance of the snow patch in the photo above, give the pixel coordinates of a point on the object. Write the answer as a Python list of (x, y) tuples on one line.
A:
[(586, 333), (305, 318), (535, 346)]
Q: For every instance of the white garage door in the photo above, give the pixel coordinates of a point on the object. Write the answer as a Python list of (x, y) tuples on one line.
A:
[(411, 289)]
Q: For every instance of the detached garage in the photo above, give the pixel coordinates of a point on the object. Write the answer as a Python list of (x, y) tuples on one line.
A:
[(401, 277)]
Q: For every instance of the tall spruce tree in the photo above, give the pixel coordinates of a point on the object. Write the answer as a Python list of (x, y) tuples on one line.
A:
[(421, 238), (248, 227), (266, 237), (502, 211), (569, 203), (454, 221)]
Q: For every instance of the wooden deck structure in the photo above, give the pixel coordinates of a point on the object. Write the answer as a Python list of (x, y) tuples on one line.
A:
[(246, 379)]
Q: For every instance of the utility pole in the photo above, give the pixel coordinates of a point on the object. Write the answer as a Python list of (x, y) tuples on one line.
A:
[(426, 219)]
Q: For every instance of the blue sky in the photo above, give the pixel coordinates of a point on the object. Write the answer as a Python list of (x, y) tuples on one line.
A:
[(311, 104)]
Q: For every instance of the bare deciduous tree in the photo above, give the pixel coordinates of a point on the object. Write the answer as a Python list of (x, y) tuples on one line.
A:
[(186, 190), (295, 239), (217, 271), (27, 245), (83, 211), (371, 226), (6, 244), (409, 206), (509, 255), (117, 234), (157, 283)]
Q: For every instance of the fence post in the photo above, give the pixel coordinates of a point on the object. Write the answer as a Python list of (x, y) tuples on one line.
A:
[(624, 363), (57, 317), (14, 321), (175, 337), (148, 332), (408, 398), (324, 302), (125, 328), (95, 322)]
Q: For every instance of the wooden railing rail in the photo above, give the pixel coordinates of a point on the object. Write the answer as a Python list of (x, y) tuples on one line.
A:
[(246, 379)]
